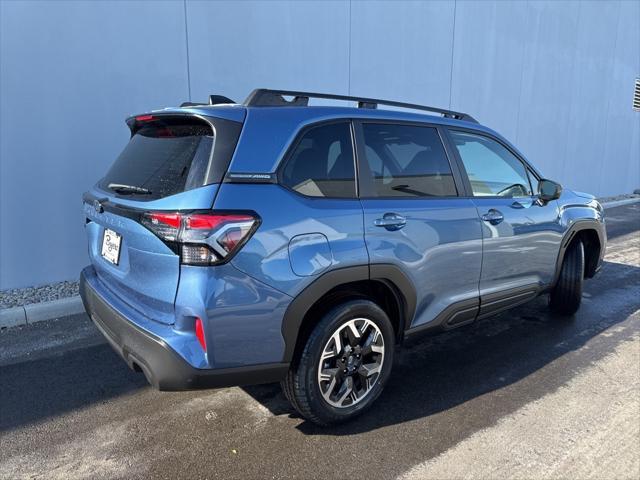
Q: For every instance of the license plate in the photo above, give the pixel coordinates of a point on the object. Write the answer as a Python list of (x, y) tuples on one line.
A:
[(111, 246)]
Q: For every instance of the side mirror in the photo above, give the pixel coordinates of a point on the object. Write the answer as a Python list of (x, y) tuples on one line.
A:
[(549, 190)]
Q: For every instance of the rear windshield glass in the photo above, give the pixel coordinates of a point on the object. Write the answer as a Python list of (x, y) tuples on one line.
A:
[(166, 156)]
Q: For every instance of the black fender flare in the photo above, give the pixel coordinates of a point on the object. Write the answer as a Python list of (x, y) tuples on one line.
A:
[(579, 225), (389, 274)]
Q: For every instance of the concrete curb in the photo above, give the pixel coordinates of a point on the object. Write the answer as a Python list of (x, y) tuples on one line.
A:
[(619, 203), (12, 317), (38, 312)]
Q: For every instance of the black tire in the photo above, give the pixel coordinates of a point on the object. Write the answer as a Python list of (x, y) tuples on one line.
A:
[(301, 385), (566, 296)]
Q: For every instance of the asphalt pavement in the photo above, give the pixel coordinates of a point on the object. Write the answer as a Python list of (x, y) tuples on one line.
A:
[(525, 394)]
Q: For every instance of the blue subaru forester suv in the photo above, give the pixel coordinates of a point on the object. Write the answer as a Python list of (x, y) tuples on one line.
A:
[(271, 240)]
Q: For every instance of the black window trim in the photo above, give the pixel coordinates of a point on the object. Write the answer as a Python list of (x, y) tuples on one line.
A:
[(294, 145), (529, 169), (363, 166)]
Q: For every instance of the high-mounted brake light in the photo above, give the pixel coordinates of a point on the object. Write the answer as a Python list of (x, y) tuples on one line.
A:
[(203, 238), (144, 118)]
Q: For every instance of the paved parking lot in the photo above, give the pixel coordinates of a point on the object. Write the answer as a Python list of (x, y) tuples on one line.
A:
[(522, 395)]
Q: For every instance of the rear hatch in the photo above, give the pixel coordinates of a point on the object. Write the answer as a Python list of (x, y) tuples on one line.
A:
[(172, 163)]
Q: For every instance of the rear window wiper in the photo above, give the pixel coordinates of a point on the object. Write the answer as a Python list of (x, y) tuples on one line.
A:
[(121, 188)]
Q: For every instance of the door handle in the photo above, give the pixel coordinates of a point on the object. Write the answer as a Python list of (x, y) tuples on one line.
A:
[(391, 221), (493, 216)]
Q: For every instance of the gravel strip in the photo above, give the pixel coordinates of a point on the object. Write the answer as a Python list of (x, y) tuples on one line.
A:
[(17, 297), (615, 198)]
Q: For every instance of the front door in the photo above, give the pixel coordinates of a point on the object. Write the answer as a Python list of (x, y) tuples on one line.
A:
[(414, 219), (521, 235)]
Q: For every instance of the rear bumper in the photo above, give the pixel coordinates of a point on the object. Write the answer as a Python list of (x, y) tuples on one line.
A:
[(162, 366)]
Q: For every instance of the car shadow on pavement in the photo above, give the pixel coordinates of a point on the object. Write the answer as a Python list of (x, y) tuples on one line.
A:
[(431, 373), (42, 388), (435, 373)]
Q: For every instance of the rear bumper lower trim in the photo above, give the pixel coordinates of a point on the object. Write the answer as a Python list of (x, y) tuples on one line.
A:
[(163, 367)]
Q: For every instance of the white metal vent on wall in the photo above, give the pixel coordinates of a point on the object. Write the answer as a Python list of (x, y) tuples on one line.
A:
[(636, 96)]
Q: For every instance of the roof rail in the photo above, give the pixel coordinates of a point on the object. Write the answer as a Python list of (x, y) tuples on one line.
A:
[(262, 97)]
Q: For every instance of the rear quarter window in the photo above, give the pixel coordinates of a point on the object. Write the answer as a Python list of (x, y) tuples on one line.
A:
[(321, 164)]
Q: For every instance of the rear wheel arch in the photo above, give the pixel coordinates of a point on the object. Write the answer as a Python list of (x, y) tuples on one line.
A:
[(385, 285)]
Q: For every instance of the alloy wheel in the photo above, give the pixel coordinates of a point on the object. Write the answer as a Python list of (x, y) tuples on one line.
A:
[(351, 363)]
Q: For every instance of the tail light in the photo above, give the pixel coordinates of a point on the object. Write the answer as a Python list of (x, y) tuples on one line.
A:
[(203, 238)]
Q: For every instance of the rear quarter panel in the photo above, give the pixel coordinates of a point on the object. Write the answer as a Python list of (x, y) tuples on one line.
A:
[(285, 216)]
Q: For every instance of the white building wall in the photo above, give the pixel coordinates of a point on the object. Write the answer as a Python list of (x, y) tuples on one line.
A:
[(556, 78)]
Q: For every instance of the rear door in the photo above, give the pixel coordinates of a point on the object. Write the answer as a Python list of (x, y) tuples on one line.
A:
[(170, 164), (521, 235), (415, 219)]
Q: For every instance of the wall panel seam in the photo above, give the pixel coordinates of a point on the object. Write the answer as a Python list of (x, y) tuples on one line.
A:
[(349, 61), (453, 46), (186, 38), (609, 95)]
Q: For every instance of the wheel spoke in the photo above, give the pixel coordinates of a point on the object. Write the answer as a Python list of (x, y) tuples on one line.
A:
[(330, 352), (376, 335), (368, 369), (327, 374), (370, 345), (327, 393), (371, 348), (345, 390), (354, 329)]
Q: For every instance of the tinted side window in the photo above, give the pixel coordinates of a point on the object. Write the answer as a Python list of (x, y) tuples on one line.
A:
[(321, 164), (492, 169), (406, 161)]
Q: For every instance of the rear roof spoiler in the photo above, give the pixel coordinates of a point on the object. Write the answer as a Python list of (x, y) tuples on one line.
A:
[(213, 100)]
